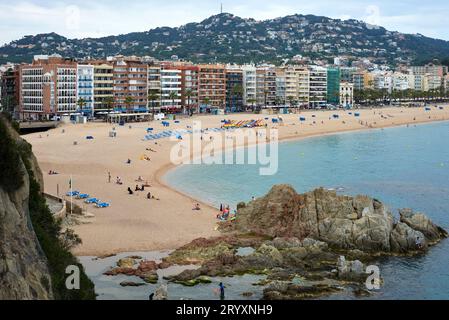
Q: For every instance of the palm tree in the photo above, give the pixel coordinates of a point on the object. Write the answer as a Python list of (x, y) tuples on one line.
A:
[(291, 99), (109, 102), (237, 91), (188, 94), (128, 102), (81, 103), (152, 98), (252, 101), (173, 96)]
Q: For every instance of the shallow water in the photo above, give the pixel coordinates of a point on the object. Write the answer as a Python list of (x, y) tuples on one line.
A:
[(402, 166), (108, 287)]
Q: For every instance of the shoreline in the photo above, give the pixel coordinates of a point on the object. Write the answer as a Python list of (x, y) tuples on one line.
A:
[(134, 224), (163, 171)]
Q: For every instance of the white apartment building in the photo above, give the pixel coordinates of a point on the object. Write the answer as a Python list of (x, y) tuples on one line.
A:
[(85, 81), (347, 94), (401, 81), (383, 81), (317, 86), (249, 85), (170, 84), (66, 95)]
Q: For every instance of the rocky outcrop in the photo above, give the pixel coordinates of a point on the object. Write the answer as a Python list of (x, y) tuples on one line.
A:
[(24, 273), (146, 270), (342, 222), (421, 223)]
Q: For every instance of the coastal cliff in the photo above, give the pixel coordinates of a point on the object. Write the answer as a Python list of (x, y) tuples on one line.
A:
[(24, 272), (33, 256)]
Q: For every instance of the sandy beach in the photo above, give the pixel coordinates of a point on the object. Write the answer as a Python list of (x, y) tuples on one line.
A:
[(134, 223)]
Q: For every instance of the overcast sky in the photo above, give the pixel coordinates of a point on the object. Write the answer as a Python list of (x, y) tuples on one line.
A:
[(96, 18)]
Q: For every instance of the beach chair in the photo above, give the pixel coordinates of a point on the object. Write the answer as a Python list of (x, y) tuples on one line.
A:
[(92, 201), (72, 194), (83, 196), (102, 205)]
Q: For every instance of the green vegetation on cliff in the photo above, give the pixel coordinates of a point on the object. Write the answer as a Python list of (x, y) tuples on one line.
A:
[(47, 229)]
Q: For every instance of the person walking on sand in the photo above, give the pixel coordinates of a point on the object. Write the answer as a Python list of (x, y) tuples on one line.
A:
[(109, 177), (222, 291)]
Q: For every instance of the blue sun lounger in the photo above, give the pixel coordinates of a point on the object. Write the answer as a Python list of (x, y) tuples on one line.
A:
[(92, 201), (83, 196), (102, 205), (72, 194)]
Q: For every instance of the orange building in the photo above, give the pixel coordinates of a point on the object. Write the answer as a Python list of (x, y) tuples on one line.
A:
[(130, 78), (212, 85), (48, 86)]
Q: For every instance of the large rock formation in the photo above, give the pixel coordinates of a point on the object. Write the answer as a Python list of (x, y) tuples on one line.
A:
[(343, 222), (24, 272)]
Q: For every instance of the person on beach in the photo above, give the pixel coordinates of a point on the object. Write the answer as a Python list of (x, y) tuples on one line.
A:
[(137, 188), (222, 291), (129, 161), (130, 192), (109, 177), (149, 196), (197, 207)]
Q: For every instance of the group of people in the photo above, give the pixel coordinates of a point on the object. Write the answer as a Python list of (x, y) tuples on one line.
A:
[(225, 213), (52, 173)]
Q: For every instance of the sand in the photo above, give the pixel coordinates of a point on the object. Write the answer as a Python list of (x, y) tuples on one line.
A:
[(134, 223)]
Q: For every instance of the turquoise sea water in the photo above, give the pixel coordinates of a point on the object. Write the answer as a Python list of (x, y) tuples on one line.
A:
[(402, 167)]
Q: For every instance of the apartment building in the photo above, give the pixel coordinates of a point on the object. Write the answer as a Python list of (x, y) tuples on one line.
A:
[(130, 76), (346, 94), (234, 89), (280, 86), (383, 81), (103, 85), (189, 86), (154, 86), (419, 82), (9, 88), (212, 85), (170, 88), (266, 86), (291, 85), (401, 81), (85, 89), (249, 85), (48, 86), (317, 86)]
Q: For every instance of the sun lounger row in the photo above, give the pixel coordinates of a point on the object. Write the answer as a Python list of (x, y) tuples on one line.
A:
[(177, 133), (87, 199)]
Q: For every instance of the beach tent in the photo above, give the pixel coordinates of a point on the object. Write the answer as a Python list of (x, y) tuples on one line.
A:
[(357, 115), (302, 119)]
